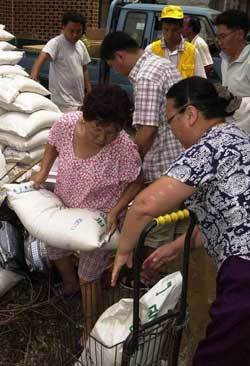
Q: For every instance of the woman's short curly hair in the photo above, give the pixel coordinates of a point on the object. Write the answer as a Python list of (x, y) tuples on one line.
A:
[(107, 104)]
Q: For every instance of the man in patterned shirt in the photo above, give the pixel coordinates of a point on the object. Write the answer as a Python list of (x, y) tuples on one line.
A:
[(151, 77)]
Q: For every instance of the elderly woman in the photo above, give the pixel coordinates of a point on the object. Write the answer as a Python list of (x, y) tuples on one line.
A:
[(99, 167), (212, 178)]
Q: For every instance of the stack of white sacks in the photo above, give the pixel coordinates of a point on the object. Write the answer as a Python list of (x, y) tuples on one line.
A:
[(26, 115)]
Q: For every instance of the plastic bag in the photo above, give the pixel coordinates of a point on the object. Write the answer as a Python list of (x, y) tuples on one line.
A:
[(8, 279), (117, 322), (36, 255), (11, 240)]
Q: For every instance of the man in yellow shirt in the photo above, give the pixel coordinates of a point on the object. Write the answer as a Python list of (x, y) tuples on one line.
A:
[(173, 46)]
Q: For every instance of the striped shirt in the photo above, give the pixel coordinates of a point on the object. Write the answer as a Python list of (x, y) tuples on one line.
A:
[(152, 76)]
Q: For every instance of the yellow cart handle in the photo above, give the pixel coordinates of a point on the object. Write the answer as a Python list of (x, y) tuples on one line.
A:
[(172, 217)]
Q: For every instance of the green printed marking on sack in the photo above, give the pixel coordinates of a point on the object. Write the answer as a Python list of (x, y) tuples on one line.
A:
[(100, 221), (169, 284), (153, 311)]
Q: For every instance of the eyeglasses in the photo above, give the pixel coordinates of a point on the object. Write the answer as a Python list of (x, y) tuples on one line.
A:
[(179, 110), (223, 36)]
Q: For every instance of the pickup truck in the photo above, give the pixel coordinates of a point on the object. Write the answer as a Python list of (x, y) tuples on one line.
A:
[(142, 21)]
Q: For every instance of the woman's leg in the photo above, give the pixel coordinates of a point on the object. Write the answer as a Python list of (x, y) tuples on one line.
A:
[(66, 268), (91, 266), (227, 337), (91, 294), (62, 259)]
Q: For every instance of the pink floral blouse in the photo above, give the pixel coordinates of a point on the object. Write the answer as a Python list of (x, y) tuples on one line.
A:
[(96, 182)]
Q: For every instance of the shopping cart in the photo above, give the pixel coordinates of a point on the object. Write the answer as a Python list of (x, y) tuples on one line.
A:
[(156, 343)]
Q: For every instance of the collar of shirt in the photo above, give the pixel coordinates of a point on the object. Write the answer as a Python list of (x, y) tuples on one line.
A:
[(245, 53), (195, 38), (68, 43), (133, 73), (180, 47)]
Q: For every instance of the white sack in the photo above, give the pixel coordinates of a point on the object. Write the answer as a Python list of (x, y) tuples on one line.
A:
[(29, 103), (10, 57), (26, 125), (117, 321), (5, 46), (8, 279), (46, 218), (23, 157), (5, 36), (8, 90), (12, 70), (12, 85), (3, 169), (24, 84), (24, 144), (2, 26)]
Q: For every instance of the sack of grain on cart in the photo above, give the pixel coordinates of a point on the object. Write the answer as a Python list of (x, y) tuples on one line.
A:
[(44, 215)]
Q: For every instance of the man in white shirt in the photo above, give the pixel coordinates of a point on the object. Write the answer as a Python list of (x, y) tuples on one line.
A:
[(232, 28), (68, 56), (172, 45), (191, 31)]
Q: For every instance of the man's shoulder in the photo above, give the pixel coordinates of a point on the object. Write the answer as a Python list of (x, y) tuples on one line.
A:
[(155, 63), (245, 54), (81, 47), (56, 40), (158, 70), (199, 40)]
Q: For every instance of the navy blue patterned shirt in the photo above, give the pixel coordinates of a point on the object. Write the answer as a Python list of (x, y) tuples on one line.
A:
[(219, 166)]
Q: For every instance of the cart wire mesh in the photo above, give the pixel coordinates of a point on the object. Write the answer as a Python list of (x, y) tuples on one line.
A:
[(39, 329)]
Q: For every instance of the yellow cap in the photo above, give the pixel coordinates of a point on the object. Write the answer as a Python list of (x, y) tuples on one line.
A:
[(172, 11)]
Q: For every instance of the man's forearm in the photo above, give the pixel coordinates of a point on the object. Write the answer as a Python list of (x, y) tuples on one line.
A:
[(35, 72), (87, 82), (144, 138)]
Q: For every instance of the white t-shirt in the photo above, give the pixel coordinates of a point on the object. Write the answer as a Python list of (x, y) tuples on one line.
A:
[(236, 74), (242, 115), (203, 49), (66, 82)]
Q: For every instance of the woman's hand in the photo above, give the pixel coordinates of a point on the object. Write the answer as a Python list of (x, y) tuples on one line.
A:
[(165, 253), (111, 223), (38, 179), (120, 261)]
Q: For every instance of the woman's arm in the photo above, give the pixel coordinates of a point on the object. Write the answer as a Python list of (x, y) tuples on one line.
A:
[(49, 158), (160, 197), (128, 195)]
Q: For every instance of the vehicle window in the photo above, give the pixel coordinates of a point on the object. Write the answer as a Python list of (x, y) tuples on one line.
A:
[(135, 25)]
